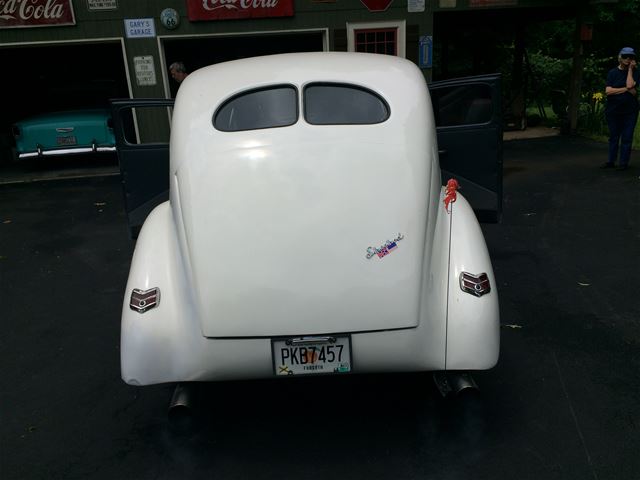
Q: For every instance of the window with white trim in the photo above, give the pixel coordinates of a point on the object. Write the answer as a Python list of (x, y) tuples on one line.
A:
[(377, 40), (377, 37)]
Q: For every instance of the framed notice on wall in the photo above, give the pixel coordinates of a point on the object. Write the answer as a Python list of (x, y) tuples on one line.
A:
[(102, 5), (145, 70)]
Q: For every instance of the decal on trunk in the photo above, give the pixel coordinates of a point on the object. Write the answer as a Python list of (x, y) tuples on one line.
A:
[(384, 249)]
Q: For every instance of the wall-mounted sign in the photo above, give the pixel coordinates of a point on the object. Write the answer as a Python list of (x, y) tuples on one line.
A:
[(415, 6), (492, 3), (145, 70), (169, 18), (231, 9), (425, 57), (36, 13), (139, 27), (102, 5)]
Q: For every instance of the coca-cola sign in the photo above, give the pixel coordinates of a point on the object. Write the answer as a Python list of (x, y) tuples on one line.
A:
[(233, 9), (35, 13)]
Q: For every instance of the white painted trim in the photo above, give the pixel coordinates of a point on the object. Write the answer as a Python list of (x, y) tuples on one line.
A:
[(244, 33), (400, 25), (123, 45), (57, 42)]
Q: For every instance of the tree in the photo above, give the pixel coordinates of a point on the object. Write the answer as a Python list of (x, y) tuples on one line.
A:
[(570, 62)]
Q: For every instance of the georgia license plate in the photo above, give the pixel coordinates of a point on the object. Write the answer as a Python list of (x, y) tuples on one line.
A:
[(311, 355), (67, 140)]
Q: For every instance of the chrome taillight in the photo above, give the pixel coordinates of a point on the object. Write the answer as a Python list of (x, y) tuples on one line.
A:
[(143, 300), (477, 285)]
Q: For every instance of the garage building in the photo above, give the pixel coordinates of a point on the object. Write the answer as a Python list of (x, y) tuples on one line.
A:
[(68, 54)]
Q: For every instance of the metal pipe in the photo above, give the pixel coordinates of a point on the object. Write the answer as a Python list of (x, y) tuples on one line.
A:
[(454, 383), (462, 381), (180, 406)]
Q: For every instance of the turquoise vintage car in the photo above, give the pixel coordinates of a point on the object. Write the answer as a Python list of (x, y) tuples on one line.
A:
[(63, 133)]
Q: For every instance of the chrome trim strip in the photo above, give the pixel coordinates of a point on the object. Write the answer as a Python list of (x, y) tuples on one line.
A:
[(66, 151), (341, 334), (310, 340)]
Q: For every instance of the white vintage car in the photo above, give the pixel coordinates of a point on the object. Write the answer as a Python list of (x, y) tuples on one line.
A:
[(307, 231)]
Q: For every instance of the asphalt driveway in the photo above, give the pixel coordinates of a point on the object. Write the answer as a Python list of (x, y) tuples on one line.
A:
[(563, 402)]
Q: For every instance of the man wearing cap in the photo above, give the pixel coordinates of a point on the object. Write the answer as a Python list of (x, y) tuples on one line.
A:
[(622, 107)]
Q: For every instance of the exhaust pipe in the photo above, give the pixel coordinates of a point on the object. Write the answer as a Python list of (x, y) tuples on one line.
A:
[(180, 408), (454, 383)]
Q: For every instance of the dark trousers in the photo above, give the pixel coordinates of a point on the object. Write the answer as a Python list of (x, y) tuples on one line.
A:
[(621, 129)]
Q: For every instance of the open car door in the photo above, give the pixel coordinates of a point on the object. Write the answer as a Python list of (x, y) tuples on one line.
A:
[(142, 128), (468, 117), (469, 126)]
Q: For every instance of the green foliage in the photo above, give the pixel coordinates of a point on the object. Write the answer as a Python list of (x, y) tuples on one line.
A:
[(553, 38), (592, 99), (552, 73), (591, 114), (610, 12), (550, 46), (594, 74), (549, 74), (615, 25)]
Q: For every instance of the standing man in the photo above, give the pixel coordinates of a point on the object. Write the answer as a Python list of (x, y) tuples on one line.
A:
[(622, 107), (178, 71)]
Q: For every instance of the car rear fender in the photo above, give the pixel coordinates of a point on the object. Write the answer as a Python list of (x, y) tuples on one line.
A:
[(473, 322), (157, 346)]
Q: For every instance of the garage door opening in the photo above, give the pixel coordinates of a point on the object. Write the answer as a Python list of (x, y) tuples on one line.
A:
[(59, 77), (202, 51)]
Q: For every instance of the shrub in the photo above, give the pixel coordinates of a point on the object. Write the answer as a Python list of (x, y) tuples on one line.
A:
[(591, 118)]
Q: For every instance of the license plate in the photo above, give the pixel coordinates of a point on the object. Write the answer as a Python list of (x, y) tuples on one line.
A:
[(67, 140), (311, 355)]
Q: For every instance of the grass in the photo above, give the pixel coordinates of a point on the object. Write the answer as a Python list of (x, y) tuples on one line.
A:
[(552, 121)]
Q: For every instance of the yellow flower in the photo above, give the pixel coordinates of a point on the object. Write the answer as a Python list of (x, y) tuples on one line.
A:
[(598, 97)]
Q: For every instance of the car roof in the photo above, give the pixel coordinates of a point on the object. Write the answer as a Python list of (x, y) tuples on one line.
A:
[(211, 85)]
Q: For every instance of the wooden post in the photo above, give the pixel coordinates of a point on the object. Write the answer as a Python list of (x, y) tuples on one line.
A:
[(576, 75), (518, 107)]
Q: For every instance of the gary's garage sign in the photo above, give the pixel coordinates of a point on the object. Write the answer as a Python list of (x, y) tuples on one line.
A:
[(36, 13)]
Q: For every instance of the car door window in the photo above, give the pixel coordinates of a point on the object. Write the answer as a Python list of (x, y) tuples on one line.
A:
[(462, 105), (144, 125)]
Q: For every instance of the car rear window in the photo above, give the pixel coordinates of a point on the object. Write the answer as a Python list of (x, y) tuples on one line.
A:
[(342, 104), (270, 107)]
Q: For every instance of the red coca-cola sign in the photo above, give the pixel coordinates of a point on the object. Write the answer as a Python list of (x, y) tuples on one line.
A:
[(36, 13), (233, 9)]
